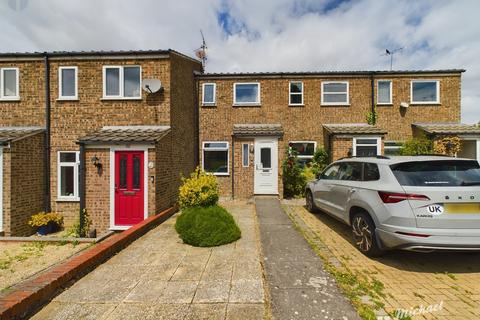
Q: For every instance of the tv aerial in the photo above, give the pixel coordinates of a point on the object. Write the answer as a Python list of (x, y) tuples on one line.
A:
[(201, 53), (391, 54)]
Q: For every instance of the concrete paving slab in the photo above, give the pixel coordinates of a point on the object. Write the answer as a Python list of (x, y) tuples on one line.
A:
[(247, 291), (299, 286), (71, 311), (147, 291), (179, 292), (212, 292), (207, 312), (245, 311)]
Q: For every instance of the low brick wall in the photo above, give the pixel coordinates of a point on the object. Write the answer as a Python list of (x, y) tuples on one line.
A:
[(26, 297)]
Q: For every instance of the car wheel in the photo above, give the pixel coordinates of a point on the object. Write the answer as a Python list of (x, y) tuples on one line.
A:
[(309, 202), (364, 235)]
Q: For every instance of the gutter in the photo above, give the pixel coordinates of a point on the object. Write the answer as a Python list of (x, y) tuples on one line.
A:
[(372, 80), (81, 187), (233, 167), (47, 198)]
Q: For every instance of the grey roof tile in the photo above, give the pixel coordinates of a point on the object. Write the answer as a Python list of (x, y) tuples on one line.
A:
[(10, 134), (448, 128), (352, 128), (257, 129), (126, 134)]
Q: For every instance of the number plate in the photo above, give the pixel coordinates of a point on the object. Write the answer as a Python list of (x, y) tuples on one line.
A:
[(466, 208)]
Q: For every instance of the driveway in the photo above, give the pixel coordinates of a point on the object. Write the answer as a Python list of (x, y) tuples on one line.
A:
[(159, 277), (451, 281)]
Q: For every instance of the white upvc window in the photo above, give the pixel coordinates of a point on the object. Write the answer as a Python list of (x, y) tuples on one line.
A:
[(209, 93), (215, 157), (245, 94), (295, 93), (425, 92), (9, 84), (384, 92), (305, 150), (245, 155), (122, 82), (335, 93), (366, 146), (392, 148), (68, 163), (68, 83)]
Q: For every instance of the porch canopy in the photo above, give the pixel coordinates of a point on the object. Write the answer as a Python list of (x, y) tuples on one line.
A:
[(11, 134), (256, 130), (353, 129), (439, 128), (125, 135)]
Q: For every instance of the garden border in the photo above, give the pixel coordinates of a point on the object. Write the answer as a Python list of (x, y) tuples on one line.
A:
[(28, 296)]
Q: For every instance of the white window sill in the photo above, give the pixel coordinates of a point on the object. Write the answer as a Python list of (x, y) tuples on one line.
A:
[(219, 174), (247, 105), (335, 104), (120, 98), (10, 99), (68, 199), (296, 105), (385, 104), (424, 103), (68, 99), (209, 104)]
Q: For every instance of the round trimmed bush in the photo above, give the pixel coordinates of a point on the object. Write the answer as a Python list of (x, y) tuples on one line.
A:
[(207, 226)]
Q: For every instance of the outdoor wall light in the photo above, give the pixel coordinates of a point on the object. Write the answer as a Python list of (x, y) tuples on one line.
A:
[(96, 162)]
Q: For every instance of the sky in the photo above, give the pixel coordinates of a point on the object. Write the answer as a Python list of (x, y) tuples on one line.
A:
[(264, 35)]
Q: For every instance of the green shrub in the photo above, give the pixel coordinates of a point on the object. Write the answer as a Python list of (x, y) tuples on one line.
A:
[(308, 175), (320, 161), (207, 226), (417, 146), (201, 189), (74, 230), (42, 219), (293, 179)]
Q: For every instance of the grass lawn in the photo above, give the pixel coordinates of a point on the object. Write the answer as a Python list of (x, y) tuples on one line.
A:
[(19, 261)]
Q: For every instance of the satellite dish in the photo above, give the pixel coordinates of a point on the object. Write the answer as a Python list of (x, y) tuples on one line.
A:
[(151, 85), (404, 104)]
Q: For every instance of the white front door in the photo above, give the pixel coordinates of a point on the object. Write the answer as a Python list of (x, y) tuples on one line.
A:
[(266, 166)]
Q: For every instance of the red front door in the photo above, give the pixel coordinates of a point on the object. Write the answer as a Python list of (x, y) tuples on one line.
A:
[(129, 187)]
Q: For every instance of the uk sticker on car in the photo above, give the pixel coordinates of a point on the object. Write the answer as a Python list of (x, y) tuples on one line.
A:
[(435, 209)]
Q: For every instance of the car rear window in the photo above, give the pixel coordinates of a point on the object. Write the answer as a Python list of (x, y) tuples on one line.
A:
[(437, 173)]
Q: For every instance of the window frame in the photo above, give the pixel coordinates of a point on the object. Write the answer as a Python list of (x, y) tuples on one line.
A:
[(247, 154), (60, 79), (75, 166), (17, 84), (227, 148), (295, 93), (256, 103), (306, 141), (391, 92), (398, 145), (209, 103), (121, 79), (355, 144), (424, 102), (323, 103)]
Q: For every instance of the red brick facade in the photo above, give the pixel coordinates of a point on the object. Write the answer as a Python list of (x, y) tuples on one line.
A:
[(305, 122)]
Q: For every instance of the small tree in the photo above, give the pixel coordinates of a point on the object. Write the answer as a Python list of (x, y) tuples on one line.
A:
[(201, 189), (320, 160), (417, 146), (293, 179)]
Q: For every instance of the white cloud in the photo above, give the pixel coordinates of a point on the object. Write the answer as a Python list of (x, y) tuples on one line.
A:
[(274, 35)]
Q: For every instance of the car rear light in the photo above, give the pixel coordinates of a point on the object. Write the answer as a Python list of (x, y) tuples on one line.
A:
[(391, 197), (413, 234)]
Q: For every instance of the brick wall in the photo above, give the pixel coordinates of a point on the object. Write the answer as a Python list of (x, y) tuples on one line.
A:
[(23, 187), (304, 123)]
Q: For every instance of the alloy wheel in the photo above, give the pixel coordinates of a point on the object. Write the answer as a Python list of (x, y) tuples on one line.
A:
[(362, 234)]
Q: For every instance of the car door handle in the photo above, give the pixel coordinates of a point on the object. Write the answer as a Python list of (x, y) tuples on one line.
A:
[(352, 190)]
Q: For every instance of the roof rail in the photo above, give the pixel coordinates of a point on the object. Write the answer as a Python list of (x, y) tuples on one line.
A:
[(377, 156), (435, 155)]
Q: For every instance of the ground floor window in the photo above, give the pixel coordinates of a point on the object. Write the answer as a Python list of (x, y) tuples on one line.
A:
[(392, 148), (366, 147), (245, 154), (68, 163), (215, 157), (304, 149)]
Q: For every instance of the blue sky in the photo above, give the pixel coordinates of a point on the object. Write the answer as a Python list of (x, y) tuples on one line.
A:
[(267, 35)]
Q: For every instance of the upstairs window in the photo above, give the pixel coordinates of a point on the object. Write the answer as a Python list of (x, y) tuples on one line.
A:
[(425, 91), (384, 92), (335, 93), (68, 163), (9, 84), (215, 157), (67, 83), (296, 94), (305, 150), (122, 82), (209, 93), (246, 94)]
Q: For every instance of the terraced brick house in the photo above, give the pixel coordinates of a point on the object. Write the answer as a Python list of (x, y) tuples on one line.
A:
[(248, 120), (77, 131)]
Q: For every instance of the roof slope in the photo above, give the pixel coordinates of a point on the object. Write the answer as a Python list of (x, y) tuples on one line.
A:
[(10, 134), (447, 128), (126, 134)]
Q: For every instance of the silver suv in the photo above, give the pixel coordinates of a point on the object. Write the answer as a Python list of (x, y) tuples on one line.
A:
[(420, 203)]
